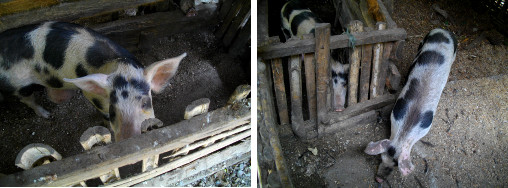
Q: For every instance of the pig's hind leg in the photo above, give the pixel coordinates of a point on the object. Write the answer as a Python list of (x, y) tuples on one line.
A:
[(26, 96)]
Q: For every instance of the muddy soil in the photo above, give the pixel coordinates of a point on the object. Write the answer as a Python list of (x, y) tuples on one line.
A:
[(206, 72), (467, 144)]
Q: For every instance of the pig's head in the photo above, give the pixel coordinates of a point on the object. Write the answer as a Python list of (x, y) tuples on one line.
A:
[(339, 84), (391, 157), (127, 92)]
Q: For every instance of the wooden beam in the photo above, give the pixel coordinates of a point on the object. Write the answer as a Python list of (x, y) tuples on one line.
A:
[(366, 66), (239, 45), (280, 91), (377, 68), (334, 117), (388, 19), (262, 21), (68, 11), (101, 160), (337, 41), (354, 65), (236, 25), (203, 167), (180, 162), (310, 83), (233, 12), (14, 6), (295, 87), (322, 49), (367, 117)]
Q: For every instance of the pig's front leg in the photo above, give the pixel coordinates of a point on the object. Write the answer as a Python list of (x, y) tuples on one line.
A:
[(30, 101)]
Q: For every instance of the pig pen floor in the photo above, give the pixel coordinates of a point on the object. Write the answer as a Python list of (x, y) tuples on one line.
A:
[(468, 141), (206, 72)]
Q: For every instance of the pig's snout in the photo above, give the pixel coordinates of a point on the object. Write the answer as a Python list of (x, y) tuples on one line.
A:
[(339, 109), (379, 179)]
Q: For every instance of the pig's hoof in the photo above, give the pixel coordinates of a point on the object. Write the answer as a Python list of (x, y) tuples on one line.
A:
[(94, 135), (36, 155), (42, 112), (150, 124)]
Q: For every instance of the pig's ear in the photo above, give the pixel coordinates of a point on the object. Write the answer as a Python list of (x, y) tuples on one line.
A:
[(160, 72), (93, 83), (375, 148), (404, 162)]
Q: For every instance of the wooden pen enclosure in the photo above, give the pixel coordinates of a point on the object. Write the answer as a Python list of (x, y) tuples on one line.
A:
[(372, 49), (179, 149)]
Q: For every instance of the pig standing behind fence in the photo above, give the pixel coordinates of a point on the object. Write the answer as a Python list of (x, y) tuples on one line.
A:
[(62, 57), (412, 114), (298, 21)]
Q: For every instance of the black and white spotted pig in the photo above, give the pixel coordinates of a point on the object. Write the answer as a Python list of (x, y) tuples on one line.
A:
[(412, 114), (297, 21), (62, 57)]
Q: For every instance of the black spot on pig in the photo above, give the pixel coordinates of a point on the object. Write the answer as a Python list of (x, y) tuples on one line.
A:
[(312, 31), (5, 86), (141, 86), (335, 81), (37, 68), (400, 108), (46, 71), (430, 57), (80, 71), (395, 162), (112, 97), (138, 98), (97, 103), (119, 82), (125, 94), (112, 113), (436, 38), (298, 19), (387, 170), (104, 50), (343, 76), (54, 82), (29, 89), (391, 151), (57, 42), (294, 5), (334, 74), (454, 39), (426, 119), (412, 90), (15, 45)]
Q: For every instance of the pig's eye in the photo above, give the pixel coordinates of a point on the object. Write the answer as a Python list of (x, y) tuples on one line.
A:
[(146, 103)]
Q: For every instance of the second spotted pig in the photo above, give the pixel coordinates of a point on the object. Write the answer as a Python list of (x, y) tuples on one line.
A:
[(62, 57), (412, 115), (296, 21)]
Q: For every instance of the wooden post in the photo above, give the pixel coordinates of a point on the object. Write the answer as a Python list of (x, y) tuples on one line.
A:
[(93, 136), (322, 35), (365, 74), (310, 80), (280, 92), (354, 65), (377, 65), (295, 86), (387, 48)]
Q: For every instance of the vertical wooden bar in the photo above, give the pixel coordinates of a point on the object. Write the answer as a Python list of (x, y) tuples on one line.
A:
[(295, 87), (280, 92), (310, 77), (387, 48), (266, 120), (365, 72), (354, 65), (322, 35), (376, 65)]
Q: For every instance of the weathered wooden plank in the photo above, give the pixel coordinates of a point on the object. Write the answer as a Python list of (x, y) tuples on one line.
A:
[(393, 78), (337, 41), (239, 45), (310, 83), (365, 72), (233, 12), (280, 92), (14, 6), (361, 119), (242, 17), (377, 61), (181, 161), (295, 87), (262, 21), (224, 8), (101, 160), (266, 122), (68, 11), (373, 104), (342, 14), (202, 167), (387, 49), (322, 49), (354, 65)]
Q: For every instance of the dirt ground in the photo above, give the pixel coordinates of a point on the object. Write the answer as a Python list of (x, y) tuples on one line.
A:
[(206, 72), (468, 142)]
